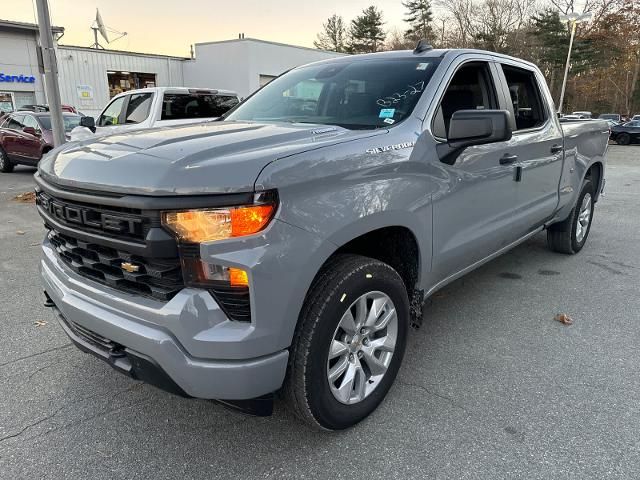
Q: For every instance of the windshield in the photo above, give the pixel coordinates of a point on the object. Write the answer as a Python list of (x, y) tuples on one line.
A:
[(364, 94), (70, 122), (609, 116)]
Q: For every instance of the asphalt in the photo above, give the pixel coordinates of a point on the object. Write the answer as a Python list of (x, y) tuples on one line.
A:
[(491, 387)]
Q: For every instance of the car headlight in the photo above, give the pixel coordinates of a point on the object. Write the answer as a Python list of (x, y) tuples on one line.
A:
[(209, 225)]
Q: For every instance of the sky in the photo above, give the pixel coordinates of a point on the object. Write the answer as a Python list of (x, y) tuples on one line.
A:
[(171, 26)]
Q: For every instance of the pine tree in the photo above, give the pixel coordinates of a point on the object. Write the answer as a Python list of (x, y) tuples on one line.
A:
[(366, 34), (420, 18), (332, 37)]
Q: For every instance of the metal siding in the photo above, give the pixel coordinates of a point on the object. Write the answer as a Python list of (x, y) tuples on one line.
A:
[(89, 67)]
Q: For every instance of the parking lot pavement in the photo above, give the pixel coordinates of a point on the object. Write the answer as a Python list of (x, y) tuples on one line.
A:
[(491, 387)]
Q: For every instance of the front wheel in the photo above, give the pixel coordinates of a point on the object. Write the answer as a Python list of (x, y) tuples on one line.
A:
[(5, 164), (350, 343), (623, 139), (570, 235)]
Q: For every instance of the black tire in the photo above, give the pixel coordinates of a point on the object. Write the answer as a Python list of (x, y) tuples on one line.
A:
[(561, 237), (6, 166), (623, 139), (307, 389)]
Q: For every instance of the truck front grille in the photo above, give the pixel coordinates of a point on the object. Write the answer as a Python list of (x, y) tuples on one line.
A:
[(157, 278)]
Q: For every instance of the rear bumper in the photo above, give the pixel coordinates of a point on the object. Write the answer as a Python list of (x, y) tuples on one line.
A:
[(145, 348)]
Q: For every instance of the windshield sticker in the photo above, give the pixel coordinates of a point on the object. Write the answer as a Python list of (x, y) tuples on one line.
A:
[(387, 112), (390, 121), (422, 66)]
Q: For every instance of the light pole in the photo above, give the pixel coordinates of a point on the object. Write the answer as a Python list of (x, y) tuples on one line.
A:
[(573, 18)]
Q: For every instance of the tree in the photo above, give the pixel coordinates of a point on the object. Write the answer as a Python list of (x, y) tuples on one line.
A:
[(420, 19), (366, 34), (333, 36)]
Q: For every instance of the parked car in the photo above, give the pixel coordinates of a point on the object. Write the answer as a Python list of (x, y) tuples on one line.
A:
[(616, 117), (25, 137), (572, 117), (584, 115), (290, 245), (626, 133), (45, 108), (157, 107), (635, 117)]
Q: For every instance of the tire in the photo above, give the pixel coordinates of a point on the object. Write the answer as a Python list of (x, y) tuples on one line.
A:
[(310, 393), (6, 166), (623, 139), (570, 235)]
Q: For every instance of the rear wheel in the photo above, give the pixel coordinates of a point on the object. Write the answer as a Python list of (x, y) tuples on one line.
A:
[(350, 342), (570, 235), (623, 139), (6, 166)]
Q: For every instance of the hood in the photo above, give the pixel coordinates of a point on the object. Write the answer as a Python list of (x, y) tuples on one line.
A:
[(215, 157)]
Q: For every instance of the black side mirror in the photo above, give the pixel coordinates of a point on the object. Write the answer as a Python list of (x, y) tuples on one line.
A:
[(88, 122), (478, 127), (474, 127)]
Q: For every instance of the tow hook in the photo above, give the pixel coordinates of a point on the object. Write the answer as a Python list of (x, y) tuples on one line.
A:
[(47, 300)]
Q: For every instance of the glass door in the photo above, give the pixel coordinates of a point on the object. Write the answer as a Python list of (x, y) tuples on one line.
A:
[(6, 102)]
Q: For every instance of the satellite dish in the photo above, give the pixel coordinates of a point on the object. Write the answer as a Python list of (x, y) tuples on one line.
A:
[(101, 26)]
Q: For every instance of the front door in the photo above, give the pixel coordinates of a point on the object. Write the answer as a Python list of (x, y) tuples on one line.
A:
[(30, 145), (473, 214)]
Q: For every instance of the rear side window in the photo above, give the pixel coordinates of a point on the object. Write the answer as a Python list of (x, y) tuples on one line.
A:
[(526, 97), (180, 106), (138, 108), (471, 88)]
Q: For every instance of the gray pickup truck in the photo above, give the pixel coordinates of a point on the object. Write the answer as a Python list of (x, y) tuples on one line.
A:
[(286, 249)]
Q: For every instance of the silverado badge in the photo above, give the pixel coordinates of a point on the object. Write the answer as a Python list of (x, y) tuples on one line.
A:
[(129, 267)]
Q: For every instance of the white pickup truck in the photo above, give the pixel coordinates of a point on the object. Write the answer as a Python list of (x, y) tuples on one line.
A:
[(156, 107)]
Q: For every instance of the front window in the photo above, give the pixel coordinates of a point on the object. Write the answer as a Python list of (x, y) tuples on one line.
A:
[(111, 114), (365, 94), (138, 108)]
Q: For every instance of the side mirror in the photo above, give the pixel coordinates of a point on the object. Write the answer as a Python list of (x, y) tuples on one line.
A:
[(88, 122), (478, 127), (30, 131)]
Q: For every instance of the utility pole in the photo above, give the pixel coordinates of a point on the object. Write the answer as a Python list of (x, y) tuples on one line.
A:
[(52, 87)]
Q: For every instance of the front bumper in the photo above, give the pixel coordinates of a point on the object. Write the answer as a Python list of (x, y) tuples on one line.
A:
[(147, 333)]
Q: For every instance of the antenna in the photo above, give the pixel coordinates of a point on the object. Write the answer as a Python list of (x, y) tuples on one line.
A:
[(98, 26)]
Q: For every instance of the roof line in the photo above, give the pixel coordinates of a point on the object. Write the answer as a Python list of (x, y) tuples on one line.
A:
[(26, 26), (119, 52), (269, 42)]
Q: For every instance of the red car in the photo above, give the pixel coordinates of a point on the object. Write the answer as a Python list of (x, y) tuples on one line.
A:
[(26, 136)]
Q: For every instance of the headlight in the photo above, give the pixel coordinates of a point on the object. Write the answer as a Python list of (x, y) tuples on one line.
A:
[(208, 225)]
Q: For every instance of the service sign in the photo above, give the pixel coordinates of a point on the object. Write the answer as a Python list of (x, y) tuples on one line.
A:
[(4, 77)]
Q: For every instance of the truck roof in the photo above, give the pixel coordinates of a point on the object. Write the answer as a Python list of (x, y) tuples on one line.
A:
[(184, 90), (431, 53)]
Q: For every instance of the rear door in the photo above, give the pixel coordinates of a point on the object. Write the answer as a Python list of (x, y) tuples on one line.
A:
[(538, 143), (473, 214)]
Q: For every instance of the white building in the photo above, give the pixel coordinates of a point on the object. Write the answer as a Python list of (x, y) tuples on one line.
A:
[(246, 64), (20, 79), (90, 77)]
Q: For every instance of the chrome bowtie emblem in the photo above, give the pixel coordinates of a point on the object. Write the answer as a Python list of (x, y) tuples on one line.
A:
[(129, 267)]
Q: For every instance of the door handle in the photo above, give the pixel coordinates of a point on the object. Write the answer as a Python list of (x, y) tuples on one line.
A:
[(557, 148), (508, 159)]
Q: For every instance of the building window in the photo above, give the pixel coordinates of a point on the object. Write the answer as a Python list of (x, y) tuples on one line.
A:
[(123, 81), (6, 102)]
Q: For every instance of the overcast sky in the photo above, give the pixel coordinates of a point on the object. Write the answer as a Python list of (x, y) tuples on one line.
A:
[(170, 26)]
